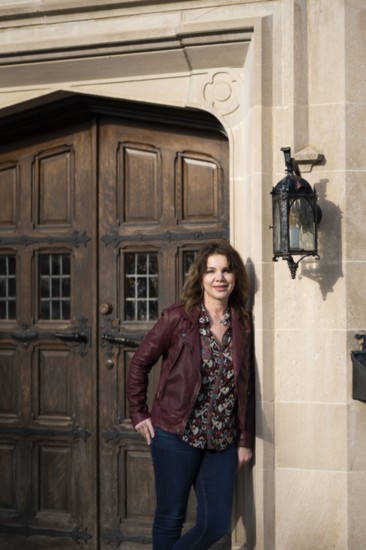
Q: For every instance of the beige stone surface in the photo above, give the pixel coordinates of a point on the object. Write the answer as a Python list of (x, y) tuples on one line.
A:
[(357, 437), (317, 373), (356, 311), (355, 51), (326, 39), (355, 213), (311, 436), (311, 510), (356, 510)]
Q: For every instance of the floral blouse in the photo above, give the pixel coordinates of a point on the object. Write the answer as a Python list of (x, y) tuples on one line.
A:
[(212, 422)]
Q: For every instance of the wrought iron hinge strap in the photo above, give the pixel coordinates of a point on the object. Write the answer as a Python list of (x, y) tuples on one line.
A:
[(28, 531), (119, 339), (114, 536), (115, 239), (116, 435), (77, 238), (111, 336), (75, 432), (80, 335)]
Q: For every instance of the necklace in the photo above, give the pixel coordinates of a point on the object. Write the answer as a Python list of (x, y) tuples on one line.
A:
[(206, 318), (225, 320)]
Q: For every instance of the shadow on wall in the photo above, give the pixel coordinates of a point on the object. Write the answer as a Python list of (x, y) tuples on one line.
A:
[(245, 498), (328, 269)]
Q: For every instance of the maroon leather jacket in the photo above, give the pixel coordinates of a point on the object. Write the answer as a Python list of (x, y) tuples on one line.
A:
[(176, 339)]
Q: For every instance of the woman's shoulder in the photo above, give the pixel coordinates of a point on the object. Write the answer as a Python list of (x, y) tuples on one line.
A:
[(178, 311)]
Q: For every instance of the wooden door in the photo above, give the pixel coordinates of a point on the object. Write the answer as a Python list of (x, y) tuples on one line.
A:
[(163, 192), (48, 435), (99, 221)]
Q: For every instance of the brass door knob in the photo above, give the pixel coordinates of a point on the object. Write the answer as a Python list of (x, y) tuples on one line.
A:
[(109, 364), (105, 309)]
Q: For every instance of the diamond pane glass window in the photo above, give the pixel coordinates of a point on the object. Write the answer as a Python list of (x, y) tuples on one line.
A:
[(141, 286), (7, 287), (55, 286)]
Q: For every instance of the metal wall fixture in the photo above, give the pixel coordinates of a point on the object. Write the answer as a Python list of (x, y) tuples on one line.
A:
[(296, 216), (359, 369)]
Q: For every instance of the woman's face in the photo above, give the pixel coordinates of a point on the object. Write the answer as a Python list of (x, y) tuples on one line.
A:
[(218, 280)]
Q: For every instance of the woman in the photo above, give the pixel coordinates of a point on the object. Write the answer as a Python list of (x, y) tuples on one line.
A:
[(201, 427)]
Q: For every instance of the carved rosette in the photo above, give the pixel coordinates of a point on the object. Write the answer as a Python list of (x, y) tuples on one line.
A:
[(222, 92)]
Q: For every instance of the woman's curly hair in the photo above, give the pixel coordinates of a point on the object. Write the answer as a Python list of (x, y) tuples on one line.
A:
[(192, 292)]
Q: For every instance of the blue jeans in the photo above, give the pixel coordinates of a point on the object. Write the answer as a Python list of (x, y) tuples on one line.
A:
[(177, 467)]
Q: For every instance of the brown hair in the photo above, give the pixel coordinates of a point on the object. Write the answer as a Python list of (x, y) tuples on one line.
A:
[(192, 292)]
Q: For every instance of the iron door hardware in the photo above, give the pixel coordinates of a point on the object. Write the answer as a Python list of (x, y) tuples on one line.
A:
[(80, 335), (116, 435), (115, 239), (75, 432), (112, 336), (119, 339), (76, 239)]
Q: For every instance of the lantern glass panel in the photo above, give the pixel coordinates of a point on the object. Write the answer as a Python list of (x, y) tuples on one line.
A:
[(302, 229), (276, 227)]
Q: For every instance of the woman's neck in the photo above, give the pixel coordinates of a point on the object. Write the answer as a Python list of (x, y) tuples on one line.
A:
[(216, 310)]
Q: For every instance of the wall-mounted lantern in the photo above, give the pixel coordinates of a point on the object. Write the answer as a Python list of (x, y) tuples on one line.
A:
[(296, 215)]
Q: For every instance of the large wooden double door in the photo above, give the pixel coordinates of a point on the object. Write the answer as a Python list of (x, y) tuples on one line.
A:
[(100, 218)]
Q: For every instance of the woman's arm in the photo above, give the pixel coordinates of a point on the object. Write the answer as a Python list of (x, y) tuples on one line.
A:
[(146, 356)]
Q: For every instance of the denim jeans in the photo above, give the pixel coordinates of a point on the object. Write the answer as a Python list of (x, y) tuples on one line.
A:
[(178, 466)]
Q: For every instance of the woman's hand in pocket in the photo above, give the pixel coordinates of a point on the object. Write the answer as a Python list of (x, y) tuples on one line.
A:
[(146, 429)]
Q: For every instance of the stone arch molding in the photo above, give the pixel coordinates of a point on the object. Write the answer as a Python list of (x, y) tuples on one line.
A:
[(191, 58)]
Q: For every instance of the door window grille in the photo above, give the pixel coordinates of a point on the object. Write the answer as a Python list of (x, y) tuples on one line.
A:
[(188, 259), (7, 287), (141, 286), (55, 286)]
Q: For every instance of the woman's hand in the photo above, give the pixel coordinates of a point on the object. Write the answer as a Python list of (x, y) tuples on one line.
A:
[(146, 429), (244, 456)]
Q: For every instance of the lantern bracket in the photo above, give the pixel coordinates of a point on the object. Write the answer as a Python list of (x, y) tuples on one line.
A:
[(294, 265)]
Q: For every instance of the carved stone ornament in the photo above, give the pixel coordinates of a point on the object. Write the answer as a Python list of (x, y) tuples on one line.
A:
[(221, 92)]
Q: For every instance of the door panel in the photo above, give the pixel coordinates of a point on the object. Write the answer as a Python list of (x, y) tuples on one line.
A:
[(162, 194), (47, 419)]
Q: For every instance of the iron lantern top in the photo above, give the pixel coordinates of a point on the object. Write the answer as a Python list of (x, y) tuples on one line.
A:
[(292, 183)]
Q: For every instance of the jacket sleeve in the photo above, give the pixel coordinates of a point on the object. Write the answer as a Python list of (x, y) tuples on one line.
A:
[(247, 436), (154, 345)]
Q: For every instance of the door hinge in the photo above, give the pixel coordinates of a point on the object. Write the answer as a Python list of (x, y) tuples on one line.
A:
[(76, 239), (75, 432), (112, 336), (80, 335), (115, 239)]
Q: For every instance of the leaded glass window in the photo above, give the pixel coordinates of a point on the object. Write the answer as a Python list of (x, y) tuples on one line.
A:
[(141, 286), (7, 287), (55, 286)]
